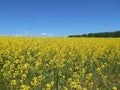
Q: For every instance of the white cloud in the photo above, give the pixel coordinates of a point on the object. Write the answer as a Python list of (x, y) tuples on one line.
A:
[(17, 35), (43, 34), (46, 34), (27, 33), (50, 34)]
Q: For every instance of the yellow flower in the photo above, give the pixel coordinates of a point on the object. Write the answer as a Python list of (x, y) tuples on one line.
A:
[(21, 81), (65, 88), (114, 88), (91, 84), (34, 82), (73, 84), (48, 85), (71, 63), (23, 76), (52, 83), (84, 88), (13, 82), (89, 76), (24, 87)]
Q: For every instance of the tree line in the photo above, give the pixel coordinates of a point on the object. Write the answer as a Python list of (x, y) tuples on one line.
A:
[(100, 34)]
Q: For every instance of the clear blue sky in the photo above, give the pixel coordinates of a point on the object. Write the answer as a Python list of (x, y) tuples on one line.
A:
[(58, 17)]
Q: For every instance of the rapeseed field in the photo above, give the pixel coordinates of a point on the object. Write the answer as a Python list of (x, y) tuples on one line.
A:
[(31, 63)]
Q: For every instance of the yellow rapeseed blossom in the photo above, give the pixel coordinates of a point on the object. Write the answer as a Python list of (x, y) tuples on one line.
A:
[(23, 76), (65, 88), (24, 87), (13, 82), (114, 88), (28, 63)]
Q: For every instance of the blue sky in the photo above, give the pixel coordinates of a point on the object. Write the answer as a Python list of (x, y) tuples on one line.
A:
[(58, 17)]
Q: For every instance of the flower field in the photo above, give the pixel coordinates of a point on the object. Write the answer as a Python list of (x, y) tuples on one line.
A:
[(28, 63)]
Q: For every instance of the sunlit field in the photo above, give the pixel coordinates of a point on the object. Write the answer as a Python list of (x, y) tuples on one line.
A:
[(59, 63)]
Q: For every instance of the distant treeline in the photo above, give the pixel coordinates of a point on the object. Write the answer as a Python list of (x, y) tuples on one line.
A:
[(101, 34)]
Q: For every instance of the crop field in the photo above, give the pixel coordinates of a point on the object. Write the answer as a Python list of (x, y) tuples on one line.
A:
[(31, 63)]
